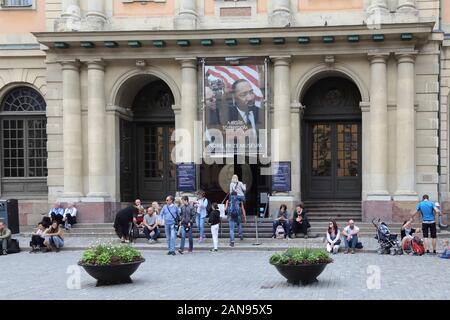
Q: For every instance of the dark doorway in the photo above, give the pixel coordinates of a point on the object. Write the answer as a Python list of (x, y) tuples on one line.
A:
[(332, 141), (147, 170)]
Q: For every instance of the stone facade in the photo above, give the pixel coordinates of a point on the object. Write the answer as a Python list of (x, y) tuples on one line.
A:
[(403, 79)]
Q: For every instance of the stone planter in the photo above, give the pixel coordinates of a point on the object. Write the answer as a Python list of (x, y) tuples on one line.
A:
[(112, 274), (304, 273)]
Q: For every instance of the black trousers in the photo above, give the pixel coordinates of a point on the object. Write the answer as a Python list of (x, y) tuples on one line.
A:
[(70, 219), (299, 227), (37, 241), (57, 217)]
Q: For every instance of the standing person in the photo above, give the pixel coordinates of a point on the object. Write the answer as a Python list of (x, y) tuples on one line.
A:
[(170, 215), (123, 220), (187, 221), (70, 216), (281, 220), (37, 239), (238, 189), (214, 220), (428, 211), (350, 236), (54, 237), (5, 236), (333, 237), (300, 223), (151, 225), (201, 205), (56, 213)]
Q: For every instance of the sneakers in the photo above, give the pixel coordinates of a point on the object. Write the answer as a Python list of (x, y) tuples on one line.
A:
[(151, 241), (4, 252), (232, 244), (353, 251), (171, 253), (180, 251), (274, 237), (346, 251), (241, 238), (190, 251), (335, 250), (214, 250)]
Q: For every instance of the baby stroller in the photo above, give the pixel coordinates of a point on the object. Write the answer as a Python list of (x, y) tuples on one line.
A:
[(388, 242)]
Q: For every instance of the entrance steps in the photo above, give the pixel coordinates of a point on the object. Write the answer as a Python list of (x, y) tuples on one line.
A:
[(341, 211), (106, 230)]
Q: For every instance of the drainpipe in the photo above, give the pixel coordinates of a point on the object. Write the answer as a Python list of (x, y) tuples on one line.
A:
[(439, 105)]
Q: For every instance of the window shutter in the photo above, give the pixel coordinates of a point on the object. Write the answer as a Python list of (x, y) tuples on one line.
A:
[(17, 3)]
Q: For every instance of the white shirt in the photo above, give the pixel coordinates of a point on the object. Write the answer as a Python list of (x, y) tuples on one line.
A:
[(350, 231), (71, 211)]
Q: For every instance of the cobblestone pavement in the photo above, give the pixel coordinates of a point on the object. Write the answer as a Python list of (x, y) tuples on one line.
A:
[(226, 275)]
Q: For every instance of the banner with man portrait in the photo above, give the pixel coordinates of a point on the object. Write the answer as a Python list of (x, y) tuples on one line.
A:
[(234, 109)]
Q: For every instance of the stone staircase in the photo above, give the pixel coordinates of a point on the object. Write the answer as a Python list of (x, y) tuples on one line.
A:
[(341, 211)]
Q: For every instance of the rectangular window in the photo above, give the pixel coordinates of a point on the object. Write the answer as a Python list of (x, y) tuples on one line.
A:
[(16, 3), (24, 145)]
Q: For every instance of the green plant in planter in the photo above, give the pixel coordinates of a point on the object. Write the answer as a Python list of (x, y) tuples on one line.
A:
[(109, 254), (298, 256)]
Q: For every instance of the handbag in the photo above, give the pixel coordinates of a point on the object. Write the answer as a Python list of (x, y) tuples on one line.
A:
[(176, 220)]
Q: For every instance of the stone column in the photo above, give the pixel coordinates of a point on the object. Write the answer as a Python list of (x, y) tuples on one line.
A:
[(282, 108), (95, 17), (296, 118), (365, 119), (70, 19), (379, 5), (405, 156), (378, 128), (187, 15), (96, 129), (73, 151), (281, 14), (189, 102)]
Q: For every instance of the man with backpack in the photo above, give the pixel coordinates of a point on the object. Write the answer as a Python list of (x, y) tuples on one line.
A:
[(428, 211)]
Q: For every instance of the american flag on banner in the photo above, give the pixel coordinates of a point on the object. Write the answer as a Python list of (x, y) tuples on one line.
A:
[(230, 74)]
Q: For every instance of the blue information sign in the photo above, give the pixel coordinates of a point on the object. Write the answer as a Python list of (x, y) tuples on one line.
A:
[(186, 177), (281, 178)]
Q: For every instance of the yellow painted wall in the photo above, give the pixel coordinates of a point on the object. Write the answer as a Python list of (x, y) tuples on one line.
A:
[(262, 6), (147, 9), (209, 7), (24, 20), (329, 5)]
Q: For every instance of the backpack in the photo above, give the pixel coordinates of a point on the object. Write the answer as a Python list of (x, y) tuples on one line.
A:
[(233, 210), (13, 246), (209, 208), (417, 246), (279, 232)]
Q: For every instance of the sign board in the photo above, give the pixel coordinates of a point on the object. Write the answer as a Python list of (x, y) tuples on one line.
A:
[(186, 177), (281, 178)]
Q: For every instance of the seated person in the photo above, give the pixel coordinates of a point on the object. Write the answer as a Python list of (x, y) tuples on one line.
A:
[(282, 219), (5, 237), (150, 225), (56, 213), (350, 236), (407, 234), (54, 237), (333, 237), (300, 223), (446, 253), (140, 217), (70, 216), (37, 238)]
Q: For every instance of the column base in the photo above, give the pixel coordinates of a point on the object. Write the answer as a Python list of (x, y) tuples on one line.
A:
[(98, 195), (406, 196), (388, 211), (72, 195), (378, 196)]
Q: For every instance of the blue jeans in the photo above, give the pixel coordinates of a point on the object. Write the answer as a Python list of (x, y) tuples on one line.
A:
[(200, 221), (148, 236), (352, 242), (56, 241), (171, 235), (183, 238), (232, 224)]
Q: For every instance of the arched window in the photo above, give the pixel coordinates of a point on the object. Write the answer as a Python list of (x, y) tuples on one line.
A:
[(23, 134)]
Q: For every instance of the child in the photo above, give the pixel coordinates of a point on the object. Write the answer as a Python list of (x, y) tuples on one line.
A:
[(37, 239), (214, 220), (446, 253)]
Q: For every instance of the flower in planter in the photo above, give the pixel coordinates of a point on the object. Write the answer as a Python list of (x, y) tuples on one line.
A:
[(109, 254), (301, 256)]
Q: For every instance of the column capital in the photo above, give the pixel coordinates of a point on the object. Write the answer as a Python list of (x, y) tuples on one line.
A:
[(176, 109), (281, 60), (378, 57), (73, 64), (297, 107), (188, 62), (408, 57), (95, 64)]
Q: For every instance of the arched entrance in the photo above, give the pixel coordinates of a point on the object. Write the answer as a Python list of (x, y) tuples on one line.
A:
[(146, 168), (331, 139)]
